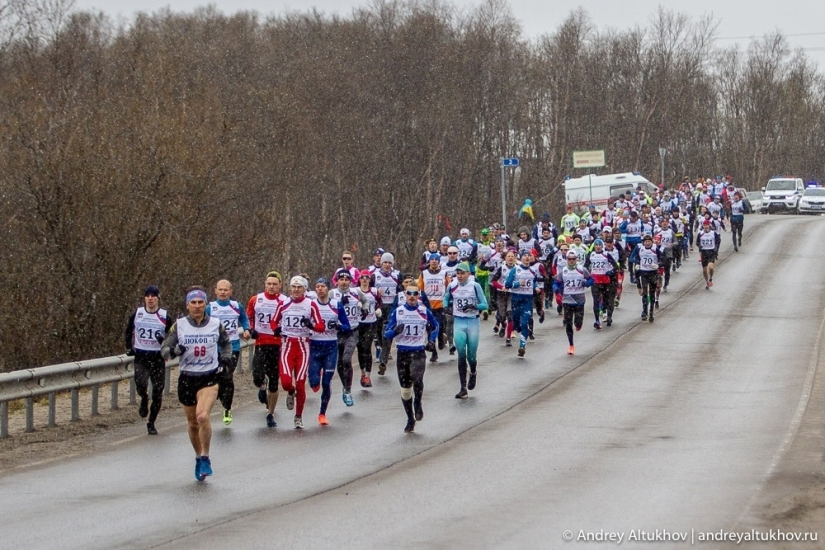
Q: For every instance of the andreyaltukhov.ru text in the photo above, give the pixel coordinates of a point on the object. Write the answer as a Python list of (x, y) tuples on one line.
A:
[(693, 536)]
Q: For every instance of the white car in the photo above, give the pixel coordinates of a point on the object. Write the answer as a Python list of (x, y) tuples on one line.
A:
[(812, 201), (757, 202)]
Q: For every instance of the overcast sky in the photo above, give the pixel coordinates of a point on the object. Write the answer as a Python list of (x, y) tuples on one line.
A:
[(737, 18)]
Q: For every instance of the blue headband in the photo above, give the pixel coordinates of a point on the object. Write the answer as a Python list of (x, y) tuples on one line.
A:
[(195, 294)]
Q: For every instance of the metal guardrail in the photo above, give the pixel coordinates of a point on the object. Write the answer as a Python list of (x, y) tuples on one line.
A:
[(32, 383)]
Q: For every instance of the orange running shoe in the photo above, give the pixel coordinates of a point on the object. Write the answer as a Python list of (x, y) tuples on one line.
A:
[(322, 420), (571, 350)]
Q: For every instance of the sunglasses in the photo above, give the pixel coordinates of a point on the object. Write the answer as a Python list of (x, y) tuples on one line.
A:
[(412, 293), (453, 253), (347, 259)]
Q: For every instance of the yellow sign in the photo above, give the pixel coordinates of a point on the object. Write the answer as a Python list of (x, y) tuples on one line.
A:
[(588, 159)]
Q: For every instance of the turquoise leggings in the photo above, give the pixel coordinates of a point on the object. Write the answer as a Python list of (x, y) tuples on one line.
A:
[(466, 334)]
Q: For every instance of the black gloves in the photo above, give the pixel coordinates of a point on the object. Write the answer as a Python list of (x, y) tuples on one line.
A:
[(306, 322), (253, 334), (332, 324), (345, 299), (159, 336), (469, 308), (430, 346), (399, 328), (178, 350), (364, 314)]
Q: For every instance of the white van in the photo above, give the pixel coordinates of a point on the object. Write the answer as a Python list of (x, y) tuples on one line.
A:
[(577, 191), (782, 194)]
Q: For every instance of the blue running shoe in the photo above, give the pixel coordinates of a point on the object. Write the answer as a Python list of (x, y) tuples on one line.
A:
[(270, 421), (262, 396), (206, 467), (198, 469), (347, 397)]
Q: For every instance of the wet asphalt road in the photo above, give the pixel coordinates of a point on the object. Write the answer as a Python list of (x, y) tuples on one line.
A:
[(670, 426)]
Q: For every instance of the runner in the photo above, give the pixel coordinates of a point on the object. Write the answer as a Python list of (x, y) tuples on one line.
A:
[(737, 211), (467, 300), (145, 331), (408, 325), (265, 373), (492, 264), (297, 318), (346, 259), (205, 351), (504, 314), (232, 316), (433, 282), (571, 281), (388, 283), (708, 240), (648, 257), (485, 251), (521, 281), (601, 266), (569, 222), (668, 243), (367, 329), (632, 232), (467, 249), (323, 346), (354, 306), (448, 268), (432, 248)]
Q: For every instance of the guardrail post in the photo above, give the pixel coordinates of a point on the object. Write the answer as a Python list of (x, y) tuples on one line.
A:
[(167, 377), (95, 397), (75, 405), (4, 420), (52, 406), (29, 415), (132, 391), (115, 386)]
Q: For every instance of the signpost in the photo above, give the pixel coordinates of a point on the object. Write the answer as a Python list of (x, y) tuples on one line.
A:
[(505, 163), (662, 152), (589, 159)]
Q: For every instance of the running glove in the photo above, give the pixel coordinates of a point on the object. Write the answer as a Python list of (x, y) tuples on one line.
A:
[(345, 299), (332, 324), (469, 308), (159, 337), (399, 328), (306, 322), (430, 346), (589, 282), (178, 350)]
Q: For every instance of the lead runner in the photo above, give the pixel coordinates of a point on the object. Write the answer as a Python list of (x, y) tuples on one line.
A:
[(205, 353)]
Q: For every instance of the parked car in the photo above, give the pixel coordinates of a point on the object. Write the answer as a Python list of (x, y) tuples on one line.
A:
[(757, 202), (812, 201)]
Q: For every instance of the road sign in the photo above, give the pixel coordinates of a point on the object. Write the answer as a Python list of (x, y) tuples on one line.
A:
[(509, 162), (588, 159)]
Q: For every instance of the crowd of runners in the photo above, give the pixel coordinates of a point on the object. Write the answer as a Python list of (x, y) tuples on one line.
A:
[(309, 332)]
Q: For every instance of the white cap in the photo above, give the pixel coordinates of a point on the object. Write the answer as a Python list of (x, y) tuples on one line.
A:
[(464, 231), (446, 240), (387, 257), (297, 280)]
